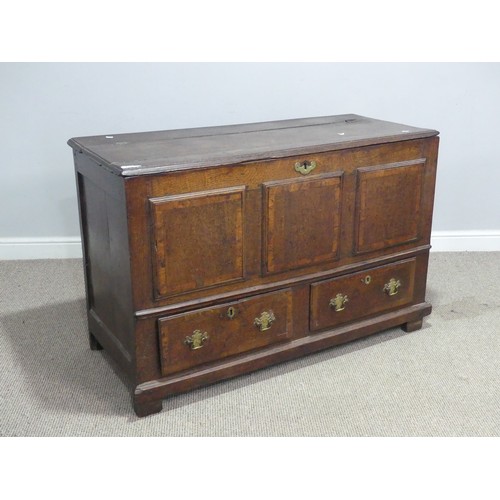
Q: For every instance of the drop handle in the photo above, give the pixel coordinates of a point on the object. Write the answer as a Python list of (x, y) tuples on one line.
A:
[(264, 321), (392, 287), (196, 340), (338, 302)]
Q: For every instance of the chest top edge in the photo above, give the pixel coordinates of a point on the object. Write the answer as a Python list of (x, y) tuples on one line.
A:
[(147, 153)]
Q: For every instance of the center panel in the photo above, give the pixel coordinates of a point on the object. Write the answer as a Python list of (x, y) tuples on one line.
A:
[(301, 222)]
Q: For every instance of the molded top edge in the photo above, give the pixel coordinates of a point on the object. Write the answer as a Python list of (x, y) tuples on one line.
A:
[(172, 150)]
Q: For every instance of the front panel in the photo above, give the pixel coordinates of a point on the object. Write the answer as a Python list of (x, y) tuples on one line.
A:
[(388, 205), (301, 222), (197, 240)]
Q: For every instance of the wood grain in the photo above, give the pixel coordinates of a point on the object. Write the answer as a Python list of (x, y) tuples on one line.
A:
[(388, 201), (364, 292), (169, 151), (225, 336), (301, 222), (255, 177), (178, 227), (198, 240)]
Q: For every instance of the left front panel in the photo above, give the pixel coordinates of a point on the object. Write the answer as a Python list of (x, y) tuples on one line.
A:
[(198, 240)]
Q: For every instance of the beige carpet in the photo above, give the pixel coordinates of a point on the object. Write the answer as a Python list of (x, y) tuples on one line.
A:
[(443, 380)]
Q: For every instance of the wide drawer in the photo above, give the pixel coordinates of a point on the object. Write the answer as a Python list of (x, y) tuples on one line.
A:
[(362, 294), (206, 335)]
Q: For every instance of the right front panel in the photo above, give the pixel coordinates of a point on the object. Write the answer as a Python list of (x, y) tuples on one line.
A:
[(388, 205)]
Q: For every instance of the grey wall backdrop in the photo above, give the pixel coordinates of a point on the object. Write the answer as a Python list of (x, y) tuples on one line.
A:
[(42, 105)]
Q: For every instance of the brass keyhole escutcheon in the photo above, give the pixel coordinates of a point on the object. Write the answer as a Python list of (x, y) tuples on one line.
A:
[(305, 167), (391, 288), (196, 340), (264, 321), (231, 312), (367, 279), (338, 302)]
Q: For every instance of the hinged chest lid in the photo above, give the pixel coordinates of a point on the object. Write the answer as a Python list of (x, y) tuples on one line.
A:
[(172, 150)]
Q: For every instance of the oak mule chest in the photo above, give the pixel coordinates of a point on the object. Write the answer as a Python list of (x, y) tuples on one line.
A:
[(213, 252)]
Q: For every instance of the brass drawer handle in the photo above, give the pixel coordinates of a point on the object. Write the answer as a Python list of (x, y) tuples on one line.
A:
[(264, 321), (305, 167), (339, 302), (196, 340), (392, 287)]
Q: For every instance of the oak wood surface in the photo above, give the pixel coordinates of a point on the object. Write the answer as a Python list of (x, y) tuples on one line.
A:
[(256, 176), (155, 152), (148, 359), (198, 240), (225, 336), (249, 362), (106, 261), (388, 201), (301, 222), (180, 226), (421, 254), (364, 292), (412, 326)]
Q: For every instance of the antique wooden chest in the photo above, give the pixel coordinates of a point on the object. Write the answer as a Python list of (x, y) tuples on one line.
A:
[(213, 252)]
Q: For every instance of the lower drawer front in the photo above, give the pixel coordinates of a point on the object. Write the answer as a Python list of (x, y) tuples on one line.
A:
[(191, 339), (362, 294)]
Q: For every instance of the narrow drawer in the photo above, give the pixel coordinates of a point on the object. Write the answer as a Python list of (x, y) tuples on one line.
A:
[(191, 339), (362, 294)]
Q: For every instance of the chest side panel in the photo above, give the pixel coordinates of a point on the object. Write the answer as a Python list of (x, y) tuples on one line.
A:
[(106, 257)]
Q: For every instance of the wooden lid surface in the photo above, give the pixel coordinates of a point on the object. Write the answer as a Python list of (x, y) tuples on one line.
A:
[(172, 150)]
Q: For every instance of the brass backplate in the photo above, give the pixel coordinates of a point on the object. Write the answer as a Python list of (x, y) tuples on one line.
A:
[(196, 340), (392, 287), (305, 167), (265, 320), (339, 302)]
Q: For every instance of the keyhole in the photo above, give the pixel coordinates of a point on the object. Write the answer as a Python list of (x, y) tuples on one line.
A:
[(231, 313)]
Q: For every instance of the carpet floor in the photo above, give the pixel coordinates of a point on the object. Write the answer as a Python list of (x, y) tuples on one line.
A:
[(442, 380)]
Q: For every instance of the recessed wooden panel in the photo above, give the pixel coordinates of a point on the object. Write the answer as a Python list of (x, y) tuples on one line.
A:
[(197, 240), (388, 205), (301, 222)]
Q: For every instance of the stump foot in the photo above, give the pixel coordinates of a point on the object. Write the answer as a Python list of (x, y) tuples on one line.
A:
[(94, 343), (145, 408), (411, 326)]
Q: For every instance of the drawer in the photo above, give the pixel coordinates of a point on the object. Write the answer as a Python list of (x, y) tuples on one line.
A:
[(362, 294), (191, 339)]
